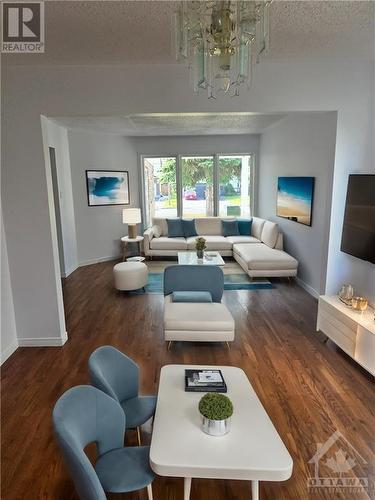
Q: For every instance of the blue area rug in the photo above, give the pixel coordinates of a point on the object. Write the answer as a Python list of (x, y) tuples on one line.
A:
[(231, 282)]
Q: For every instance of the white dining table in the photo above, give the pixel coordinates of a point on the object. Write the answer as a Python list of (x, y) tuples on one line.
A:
[(252, 450)]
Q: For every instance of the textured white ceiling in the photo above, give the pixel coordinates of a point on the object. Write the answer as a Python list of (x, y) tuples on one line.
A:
[(173, 123), (124, 32)]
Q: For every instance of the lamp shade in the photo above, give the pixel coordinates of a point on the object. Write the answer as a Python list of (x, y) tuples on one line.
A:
[(131, 216)]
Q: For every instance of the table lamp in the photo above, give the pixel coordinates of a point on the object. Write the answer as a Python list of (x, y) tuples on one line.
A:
[(131, 217)]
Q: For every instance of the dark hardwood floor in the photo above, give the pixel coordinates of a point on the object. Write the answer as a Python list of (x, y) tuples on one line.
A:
[(309, 388)]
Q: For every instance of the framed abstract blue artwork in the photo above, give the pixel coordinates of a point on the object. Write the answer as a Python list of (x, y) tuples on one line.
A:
[(295, 199), (107, 187)]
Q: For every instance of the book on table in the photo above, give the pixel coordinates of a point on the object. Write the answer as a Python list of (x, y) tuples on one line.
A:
[(204, 381)]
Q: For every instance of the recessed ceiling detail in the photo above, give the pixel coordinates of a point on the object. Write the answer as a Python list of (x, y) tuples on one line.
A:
[(157, 124)]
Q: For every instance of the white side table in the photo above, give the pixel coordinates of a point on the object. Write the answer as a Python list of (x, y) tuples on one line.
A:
[(126, 240)]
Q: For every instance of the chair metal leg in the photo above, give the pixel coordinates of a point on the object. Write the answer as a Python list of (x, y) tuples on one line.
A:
[(187, 488), (149, 491), (170, 344), (139, 436), (227, 344), (255, 490)]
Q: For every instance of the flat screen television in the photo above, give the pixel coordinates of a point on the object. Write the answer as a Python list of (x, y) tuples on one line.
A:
[(358, 234)]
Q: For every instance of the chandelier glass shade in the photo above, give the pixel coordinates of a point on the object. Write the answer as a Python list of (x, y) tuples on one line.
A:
[(221, 41)]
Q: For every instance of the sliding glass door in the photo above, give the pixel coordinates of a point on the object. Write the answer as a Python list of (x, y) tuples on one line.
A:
[(198, 186)]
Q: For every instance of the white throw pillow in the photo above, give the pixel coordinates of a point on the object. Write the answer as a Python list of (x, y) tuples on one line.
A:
[(257, 227), (157, 231), (270, 232)]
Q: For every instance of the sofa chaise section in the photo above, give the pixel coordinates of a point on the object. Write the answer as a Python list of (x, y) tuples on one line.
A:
[(260, 260)]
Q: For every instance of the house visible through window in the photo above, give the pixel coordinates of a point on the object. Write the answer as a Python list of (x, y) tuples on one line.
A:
[(198, 186)]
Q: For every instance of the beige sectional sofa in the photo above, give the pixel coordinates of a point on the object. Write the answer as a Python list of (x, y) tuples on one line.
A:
[(259, 254)]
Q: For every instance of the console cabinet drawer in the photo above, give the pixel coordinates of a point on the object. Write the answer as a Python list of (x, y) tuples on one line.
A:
[(343, 328), (336, 313), (346, 344)]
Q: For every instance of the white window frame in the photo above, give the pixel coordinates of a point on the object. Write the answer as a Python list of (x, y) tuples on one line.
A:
[(253, 177)]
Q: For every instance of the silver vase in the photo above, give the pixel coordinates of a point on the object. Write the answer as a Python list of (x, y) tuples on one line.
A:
[(216, 427)]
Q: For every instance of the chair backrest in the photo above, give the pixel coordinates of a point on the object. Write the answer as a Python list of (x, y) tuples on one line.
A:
[(114, 373), (195, 278), (81, 416)]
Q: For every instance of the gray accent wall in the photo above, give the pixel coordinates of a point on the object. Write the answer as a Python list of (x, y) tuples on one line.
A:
[(99, 229), (301, 145)]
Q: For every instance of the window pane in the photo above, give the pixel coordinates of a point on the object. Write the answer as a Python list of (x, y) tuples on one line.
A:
[(197, 186), (235, 185), (160, 187)]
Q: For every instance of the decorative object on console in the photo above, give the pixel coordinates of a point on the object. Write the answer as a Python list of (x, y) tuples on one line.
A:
[(106, 187), (132, 217), (216, 410), (359, 303), (346, 294), (295, 199), (200, 246)]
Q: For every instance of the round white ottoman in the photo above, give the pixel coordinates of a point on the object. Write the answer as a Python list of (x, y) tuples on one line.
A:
[(130, 275)]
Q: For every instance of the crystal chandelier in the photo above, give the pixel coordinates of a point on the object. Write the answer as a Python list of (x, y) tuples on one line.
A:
[(222, 40)]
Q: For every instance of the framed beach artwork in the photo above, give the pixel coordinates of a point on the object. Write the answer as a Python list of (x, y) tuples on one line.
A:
[(107, 187), (295, 199)]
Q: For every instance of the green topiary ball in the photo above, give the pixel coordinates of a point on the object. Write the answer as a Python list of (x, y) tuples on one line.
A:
[(216, 406)]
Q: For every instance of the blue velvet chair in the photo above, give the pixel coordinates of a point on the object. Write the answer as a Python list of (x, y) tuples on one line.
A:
[(84, 415), (195, 278), (196, 319), (118, 376)]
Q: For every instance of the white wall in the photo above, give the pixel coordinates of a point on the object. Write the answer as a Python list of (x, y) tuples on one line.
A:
[(301, 145), (9, 341), (343, 86), (99, 229), (56, 137)]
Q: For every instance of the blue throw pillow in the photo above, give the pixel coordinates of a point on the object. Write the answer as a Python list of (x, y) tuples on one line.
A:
[(175, 228), (244, 226), (230, 228), (188, 227), (191, 297)]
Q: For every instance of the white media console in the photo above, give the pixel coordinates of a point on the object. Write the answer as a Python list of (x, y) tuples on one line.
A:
[(352, 331)]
